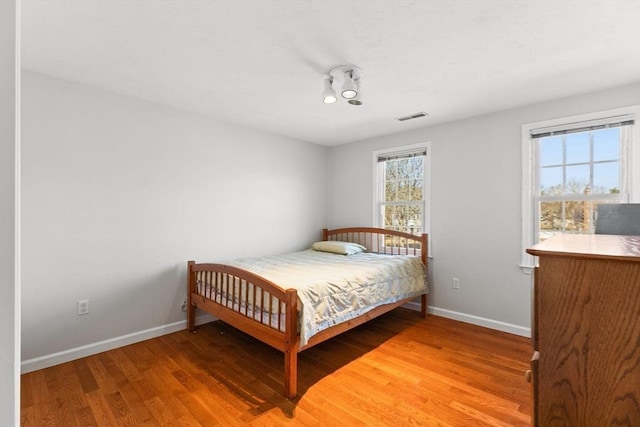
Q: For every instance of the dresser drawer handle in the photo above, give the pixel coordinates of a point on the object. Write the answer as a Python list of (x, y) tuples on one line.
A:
[(527, 375)]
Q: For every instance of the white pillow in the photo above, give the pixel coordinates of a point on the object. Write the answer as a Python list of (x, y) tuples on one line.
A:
[(337, 247)]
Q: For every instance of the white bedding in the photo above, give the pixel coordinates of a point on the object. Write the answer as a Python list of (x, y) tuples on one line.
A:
[(336, 288)]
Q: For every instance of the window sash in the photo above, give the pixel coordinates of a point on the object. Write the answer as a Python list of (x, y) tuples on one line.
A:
[(604, 198), (403, 227), (623, 153)]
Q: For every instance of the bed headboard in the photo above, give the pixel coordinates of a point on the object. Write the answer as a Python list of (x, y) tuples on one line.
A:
[(382, 241)]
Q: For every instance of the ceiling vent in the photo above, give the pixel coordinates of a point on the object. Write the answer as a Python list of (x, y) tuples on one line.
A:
[(412, 116)]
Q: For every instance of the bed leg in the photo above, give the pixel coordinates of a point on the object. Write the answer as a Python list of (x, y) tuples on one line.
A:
[(191, 309), (291, 344), (291, 373), (191, 317), (423, 306)]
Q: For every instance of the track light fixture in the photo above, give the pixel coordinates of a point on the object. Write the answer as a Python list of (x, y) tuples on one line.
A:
[(350, 76)]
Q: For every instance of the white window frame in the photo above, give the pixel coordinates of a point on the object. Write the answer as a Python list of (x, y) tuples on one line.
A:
[(630, 166), (426, 184)]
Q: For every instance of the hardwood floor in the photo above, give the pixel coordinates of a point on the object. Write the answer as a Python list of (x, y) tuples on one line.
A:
[(398, 369)]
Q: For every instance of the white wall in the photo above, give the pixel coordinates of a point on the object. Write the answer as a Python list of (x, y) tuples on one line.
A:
[(119, 193), (9, 215), (475, 204)]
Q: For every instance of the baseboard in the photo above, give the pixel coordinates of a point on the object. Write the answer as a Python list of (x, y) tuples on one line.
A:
[(474, 320), (98, 347)]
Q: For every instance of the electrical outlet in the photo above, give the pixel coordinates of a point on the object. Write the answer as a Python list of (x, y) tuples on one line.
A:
[(455, 283), (183, 307), (83, 307)]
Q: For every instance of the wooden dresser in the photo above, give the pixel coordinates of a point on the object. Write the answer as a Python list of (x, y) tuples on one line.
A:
[(586, 331)]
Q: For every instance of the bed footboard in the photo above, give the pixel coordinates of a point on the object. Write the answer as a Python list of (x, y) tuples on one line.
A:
[(250, 303)]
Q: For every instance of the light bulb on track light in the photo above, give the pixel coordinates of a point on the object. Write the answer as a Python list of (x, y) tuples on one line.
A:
[(349, 87), (329, 95)]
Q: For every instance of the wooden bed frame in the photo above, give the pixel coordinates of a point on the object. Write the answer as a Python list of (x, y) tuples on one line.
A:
[(285, 336)]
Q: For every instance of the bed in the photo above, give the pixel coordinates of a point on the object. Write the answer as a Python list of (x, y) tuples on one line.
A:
[(354, 275)]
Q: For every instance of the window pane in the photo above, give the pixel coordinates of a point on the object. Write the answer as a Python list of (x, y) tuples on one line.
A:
[(400, 221), (606, 178), (605, 144), (391, 170), (577, 179), (414, 219), (551, 151), (403, 190), (416, 167), (389, 215), (578, 150), (416, 193), (551, 221), (390, 191), (551, 181), (404, 168), (578, 217)]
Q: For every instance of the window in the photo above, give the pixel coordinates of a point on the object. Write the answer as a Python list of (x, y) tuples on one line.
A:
[(570, 166), (401, 189), (577, 170)]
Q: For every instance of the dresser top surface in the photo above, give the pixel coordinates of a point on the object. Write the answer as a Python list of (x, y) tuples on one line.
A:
[(600, 246)]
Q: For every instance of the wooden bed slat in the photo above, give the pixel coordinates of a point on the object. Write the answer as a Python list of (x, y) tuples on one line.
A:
[(250, 302)]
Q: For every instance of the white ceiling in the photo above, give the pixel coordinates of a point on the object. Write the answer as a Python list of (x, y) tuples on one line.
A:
[(260, 63)]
